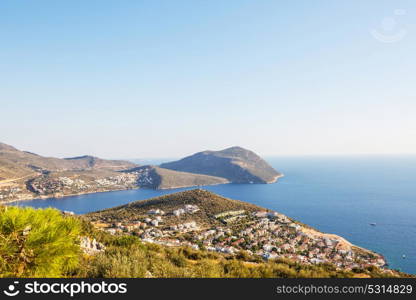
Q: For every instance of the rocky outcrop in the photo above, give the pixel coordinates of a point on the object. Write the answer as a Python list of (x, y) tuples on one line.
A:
[(90, 246)]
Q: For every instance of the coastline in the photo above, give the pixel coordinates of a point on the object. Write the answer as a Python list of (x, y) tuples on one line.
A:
[(44, 197), (109, 191), (276, 178), (64, 196), (189, 186)]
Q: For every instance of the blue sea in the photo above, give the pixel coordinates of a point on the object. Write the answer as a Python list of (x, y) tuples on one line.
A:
[(340, 195)]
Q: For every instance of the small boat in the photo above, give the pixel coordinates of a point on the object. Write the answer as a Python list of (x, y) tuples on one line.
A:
[(373, 224), (403, 256)]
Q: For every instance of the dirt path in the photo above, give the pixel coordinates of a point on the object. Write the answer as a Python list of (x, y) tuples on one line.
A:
[(13, 179)]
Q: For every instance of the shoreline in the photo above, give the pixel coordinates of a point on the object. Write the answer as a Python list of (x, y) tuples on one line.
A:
[(109, 191), (189, 186), (275, 179), (68, 195)]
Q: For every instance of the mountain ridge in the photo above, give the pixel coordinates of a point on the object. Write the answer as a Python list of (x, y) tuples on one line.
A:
[(236, 164), (25, 175)]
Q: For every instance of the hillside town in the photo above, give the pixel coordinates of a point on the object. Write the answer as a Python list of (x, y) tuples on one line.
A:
[(12, 192), (46, 185), (144, 176), (269, 235)]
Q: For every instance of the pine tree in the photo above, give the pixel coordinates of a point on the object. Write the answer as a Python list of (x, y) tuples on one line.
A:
[(37, 242)]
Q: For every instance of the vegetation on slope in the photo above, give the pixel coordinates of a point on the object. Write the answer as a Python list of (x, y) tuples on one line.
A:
[(44, 243), (128, 257), (209, 203)]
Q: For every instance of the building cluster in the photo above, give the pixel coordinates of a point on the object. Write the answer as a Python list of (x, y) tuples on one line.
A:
[(150, 225), (144, 177), (267, 234), (46, 185), (119, 180), (8, 193), (188, 209)]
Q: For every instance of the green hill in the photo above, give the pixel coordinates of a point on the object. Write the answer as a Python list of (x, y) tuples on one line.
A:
[(210, 204)]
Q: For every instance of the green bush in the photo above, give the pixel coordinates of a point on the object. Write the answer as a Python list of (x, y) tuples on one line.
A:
[(37, 242)]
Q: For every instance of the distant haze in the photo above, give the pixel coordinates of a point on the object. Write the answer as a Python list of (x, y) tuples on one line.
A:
[(137, 79)]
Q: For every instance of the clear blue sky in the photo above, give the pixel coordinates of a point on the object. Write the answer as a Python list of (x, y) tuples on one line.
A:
[(168, 78)]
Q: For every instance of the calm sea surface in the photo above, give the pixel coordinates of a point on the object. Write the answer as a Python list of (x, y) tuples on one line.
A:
[(340, 195)]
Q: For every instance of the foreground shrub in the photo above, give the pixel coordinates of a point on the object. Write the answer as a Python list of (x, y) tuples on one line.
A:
[(37, 242)]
